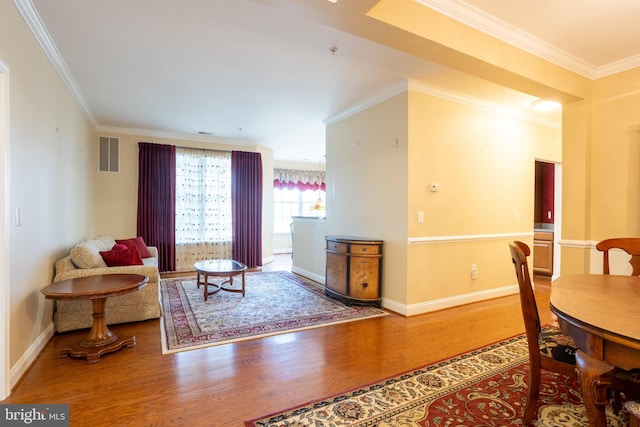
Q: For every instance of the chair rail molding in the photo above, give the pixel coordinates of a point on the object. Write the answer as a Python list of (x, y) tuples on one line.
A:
[(466, 238)]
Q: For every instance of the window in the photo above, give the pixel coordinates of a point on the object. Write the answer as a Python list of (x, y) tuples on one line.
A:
[(203, 196), (289, 202)]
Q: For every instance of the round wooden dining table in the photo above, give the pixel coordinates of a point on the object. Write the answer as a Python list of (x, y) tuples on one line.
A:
[(602, 314)]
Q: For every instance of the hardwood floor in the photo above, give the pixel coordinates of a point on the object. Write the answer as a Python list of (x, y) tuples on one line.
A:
[(228, 384)]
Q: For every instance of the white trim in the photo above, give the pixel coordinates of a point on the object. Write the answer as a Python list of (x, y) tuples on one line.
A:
[(466, 238), (446, 94), (377, 98), (461, 98), (174, 135), (31, 17), (449, 302), (582, 244), (490, 25), (31, 355), (281, 251), (5, 291), (308, 274)]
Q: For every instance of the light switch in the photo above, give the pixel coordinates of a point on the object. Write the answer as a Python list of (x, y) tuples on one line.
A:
[(420, 217)]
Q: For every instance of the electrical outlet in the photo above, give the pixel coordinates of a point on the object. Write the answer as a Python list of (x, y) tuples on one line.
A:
[(420, 217), (474, 271)]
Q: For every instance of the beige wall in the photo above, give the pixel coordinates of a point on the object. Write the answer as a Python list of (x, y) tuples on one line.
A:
[(50, 180), (367, 184), (117, 204), (380, 164), (483, 161), (601, 148), (615, 158)]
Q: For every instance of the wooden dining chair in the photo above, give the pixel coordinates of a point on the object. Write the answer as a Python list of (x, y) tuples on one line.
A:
[(630, 245), (549, 349)]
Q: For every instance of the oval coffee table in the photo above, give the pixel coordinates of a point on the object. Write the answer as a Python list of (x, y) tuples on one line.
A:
[(219, 268), (97, 289)]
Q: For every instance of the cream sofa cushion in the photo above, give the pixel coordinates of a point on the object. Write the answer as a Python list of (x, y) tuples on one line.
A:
[(86, 254)]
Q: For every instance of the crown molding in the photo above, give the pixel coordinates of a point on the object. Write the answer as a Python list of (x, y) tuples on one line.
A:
[(377, 98), (442, 93), (460, 98), (481, 21), (174, 135), (31, 17)]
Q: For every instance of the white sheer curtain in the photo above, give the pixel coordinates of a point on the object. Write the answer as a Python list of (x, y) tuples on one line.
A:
[(203, 206)]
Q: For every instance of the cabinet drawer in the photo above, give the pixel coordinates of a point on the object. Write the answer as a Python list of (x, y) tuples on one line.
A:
[(365, 249), (541, 235), (335, 246)]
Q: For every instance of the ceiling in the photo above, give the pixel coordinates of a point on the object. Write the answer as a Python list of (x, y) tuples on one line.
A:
[(264, 71)]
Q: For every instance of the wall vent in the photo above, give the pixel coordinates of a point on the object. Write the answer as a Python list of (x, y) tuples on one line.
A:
[(109, 154)]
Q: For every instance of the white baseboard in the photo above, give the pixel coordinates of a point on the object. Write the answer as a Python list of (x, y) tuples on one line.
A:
[(282, 251), (308, 274), (440, 304), (30, 356), (428, 306)]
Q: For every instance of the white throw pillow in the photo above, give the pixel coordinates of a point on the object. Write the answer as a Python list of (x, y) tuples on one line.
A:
[(104, 242), (87, 255)]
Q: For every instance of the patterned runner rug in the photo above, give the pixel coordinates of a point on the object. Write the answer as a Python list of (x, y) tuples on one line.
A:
[(486, 387), (274, 303)]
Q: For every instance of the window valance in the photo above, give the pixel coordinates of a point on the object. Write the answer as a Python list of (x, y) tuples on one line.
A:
[(300, 179)]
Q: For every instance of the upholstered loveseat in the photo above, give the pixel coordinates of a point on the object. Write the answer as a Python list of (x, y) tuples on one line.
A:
[(87, 259)]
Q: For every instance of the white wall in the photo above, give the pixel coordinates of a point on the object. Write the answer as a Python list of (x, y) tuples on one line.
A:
[(367, 184), (309, 257), (50, 182)]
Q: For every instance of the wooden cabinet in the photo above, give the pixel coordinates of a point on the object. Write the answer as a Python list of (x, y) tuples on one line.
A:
[(354, 270), (543, 253)]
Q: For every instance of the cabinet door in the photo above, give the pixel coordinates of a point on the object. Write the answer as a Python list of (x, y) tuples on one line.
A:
[(543, 257), (363, 280), (337, 272)]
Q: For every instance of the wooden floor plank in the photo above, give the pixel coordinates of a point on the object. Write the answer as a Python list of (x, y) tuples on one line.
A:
[(225, 385)]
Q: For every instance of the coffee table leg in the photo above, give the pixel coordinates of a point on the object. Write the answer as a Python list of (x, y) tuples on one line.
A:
[(100, 340)]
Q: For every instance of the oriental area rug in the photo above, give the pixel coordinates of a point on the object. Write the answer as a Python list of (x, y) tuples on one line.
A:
[(274, 303), (486, 387)]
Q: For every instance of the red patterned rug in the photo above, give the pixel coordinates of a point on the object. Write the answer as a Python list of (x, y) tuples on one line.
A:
[(274, 303), (486, 387)]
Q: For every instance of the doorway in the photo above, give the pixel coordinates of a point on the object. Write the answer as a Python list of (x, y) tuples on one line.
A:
[(547, 214)]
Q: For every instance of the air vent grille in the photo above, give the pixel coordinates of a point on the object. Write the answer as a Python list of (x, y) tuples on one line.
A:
[(109, 154)]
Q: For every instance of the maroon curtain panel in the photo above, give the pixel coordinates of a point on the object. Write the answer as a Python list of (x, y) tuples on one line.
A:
[(156, 200), (246, 207)]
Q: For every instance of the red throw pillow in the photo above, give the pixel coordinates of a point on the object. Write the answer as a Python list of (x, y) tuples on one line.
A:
[(115, 258), (137, 243), (120, 247)]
